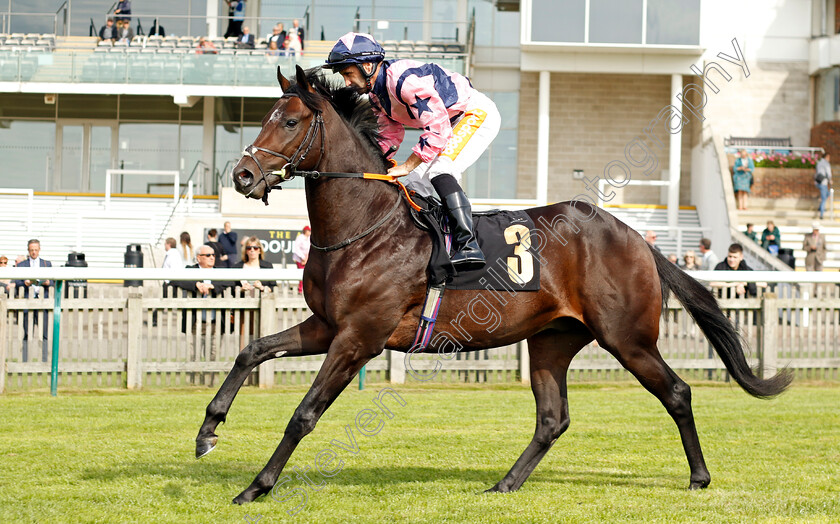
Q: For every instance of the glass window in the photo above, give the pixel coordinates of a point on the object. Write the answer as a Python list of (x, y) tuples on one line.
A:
[(146, 146), (505, 28), (27, 150), (615, 21), (674, 22), (558, 20)]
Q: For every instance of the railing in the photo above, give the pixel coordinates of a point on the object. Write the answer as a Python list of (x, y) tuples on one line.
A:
[(65, 8), (181, 198), (137, 337), (241, 68), (382, 29), (139, 172)]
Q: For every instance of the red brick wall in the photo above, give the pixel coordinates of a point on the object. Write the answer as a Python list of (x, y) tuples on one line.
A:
[(827, 136), (775, 182)]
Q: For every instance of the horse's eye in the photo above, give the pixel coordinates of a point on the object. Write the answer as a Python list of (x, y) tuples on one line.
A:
[(291, 123)]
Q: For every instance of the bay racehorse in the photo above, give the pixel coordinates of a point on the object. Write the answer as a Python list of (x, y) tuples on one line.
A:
[(599, 281)]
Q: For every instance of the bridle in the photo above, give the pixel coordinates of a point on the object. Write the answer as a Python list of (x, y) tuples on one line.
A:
[(289, 169)]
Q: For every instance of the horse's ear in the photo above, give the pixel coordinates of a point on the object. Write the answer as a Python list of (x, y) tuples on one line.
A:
[(300, 75), (284, 82)]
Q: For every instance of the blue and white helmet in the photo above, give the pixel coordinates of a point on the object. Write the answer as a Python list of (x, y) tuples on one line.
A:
[(354, 49)]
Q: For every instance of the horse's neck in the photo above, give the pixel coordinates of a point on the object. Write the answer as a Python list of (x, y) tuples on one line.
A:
[(340, 208)]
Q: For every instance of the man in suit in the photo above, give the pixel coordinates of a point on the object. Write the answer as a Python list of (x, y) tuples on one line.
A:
[(246, 41), (34, 289), (814, 247), (199, 324)]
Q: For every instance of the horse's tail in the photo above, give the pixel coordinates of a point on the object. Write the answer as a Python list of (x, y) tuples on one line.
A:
[(704, 309)]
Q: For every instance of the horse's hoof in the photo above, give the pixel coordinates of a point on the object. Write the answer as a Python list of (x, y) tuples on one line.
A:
[(249, 495), (498, 488), (699, 484), (204, 446)]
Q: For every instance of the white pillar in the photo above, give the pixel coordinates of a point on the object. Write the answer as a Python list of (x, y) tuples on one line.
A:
[(213, 18), (542, 137), (674, 159), (208, 141)]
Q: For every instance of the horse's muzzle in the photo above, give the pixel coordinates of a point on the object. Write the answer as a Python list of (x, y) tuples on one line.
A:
[(244, 180)]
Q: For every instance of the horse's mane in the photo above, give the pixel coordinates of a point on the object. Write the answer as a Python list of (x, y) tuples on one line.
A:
[(347, 102)]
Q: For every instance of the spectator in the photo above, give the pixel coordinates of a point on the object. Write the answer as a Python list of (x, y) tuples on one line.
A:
[(278, 36), (650, 238), (123, 11), (124, 31), (6, 285), (252, 258), (108, 31), (823, 180), (246, 40), (39, 289), (228, 239), (709, 260), (173, 259), (199, 325), (205, 47), (293, 43), (814, 247), (300, 251), (297, 30), (771, 238), (232, 30), (690, 261), (272, 50), (742, 178), (187, 253), (752, 235), (218, 250), (672, 258), (735, 262)]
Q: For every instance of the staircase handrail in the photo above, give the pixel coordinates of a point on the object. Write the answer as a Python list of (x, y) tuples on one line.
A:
[(188, 193)]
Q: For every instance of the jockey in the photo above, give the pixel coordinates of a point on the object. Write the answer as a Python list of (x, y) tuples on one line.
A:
[(458, 124)]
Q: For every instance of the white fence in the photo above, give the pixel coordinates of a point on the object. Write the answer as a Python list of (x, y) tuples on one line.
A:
[(137, 337)]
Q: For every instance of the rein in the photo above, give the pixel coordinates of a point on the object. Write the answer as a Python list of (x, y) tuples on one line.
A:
[(290, 171)]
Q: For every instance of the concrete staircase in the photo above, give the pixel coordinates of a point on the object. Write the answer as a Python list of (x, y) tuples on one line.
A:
[(794, 223), (64, 224), (642, 218)]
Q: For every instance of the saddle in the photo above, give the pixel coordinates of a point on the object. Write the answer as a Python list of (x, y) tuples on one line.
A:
[(504, 237)]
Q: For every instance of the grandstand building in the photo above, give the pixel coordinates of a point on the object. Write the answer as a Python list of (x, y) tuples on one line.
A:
[(587, 90)]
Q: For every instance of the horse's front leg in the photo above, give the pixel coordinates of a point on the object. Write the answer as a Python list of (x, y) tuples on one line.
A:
[(311, 337), (345, 358)]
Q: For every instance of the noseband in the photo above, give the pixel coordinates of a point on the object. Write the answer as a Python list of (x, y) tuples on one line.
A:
[(287, 172)]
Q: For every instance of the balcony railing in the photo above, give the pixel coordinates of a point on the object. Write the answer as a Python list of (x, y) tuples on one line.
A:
[(239, 68)]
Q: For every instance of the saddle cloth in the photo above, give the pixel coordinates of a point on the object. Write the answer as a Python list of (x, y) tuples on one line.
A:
[(512, 260)]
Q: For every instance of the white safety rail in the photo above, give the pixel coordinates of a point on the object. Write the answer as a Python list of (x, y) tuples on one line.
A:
[(135, 172), (88, 221), (486, 204), (28, 193), (150, 273)]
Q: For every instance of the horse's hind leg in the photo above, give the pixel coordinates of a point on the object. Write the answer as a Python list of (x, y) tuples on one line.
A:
[(551, 352), (646, 364), (310, 337)]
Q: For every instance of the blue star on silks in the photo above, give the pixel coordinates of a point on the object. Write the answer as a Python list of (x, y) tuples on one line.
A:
[(421, 104), (423, 143)]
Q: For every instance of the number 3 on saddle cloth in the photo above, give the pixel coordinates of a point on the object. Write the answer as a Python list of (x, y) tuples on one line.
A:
[(512, 259)]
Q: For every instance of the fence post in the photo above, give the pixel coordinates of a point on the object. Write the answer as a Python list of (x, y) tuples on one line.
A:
[(133, 371), (396, 367), (268, 312), (768, 352), (524, 363), (3, 343)]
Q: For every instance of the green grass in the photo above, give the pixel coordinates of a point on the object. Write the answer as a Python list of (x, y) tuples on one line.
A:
[(128, 457)]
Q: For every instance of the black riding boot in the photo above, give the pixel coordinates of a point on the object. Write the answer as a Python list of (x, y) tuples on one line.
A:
[(467, 254)]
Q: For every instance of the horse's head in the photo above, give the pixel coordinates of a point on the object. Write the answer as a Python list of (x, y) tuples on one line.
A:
[(292, 137)]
